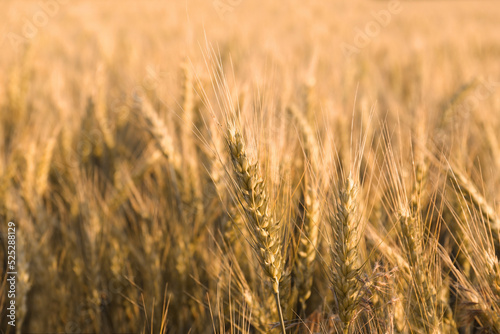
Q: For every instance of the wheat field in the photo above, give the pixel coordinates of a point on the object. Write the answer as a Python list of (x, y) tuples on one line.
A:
[(236, 166)]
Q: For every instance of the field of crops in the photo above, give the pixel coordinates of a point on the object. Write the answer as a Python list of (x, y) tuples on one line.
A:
[(237, 166)]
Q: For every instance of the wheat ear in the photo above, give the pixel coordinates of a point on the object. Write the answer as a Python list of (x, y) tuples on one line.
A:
[(346, 230), (43, 167), (471, 193), (265, 229), (309, 236), (164, 142), (193, 194), (159, 132), (412, 239), (419, 185)]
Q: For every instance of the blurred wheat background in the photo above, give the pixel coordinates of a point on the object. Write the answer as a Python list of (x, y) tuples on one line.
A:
[(251, 166)]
